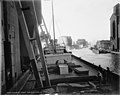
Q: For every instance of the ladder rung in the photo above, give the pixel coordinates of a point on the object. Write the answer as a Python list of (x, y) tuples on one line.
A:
[(32, 39)]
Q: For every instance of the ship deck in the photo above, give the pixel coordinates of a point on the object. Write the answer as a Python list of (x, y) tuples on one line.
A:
[(60, 81)]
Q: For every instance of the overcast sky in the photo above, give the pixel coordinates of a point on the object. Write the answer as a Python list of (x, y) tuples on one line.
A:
[(80, 19)]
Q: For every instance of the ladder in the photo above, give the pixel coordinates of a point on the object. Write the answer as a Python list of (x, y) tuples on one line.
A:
[(29, 45)]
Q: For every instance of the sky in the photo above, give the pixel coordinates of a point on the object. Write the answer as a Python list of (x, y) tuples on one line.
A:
[(80, 19)]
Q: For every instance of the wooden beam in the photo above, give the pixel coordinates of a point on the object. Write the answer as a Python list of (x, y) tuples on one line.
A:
[(28, 43), (41, 52), (42, 58)]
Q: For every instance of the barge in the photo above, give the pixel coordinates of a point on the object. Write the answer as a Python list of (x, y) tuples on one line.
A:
[(72, 76)]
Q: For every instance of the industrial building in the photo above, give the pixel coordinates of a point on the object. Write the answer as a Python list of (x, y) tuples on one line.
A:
[(115, 28), (65, 40)]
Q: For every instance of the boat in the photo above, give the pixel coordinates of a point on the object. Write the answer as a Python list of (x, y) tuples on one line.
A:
[(100, 51), (102, 47), (53, 69), (95, 51)]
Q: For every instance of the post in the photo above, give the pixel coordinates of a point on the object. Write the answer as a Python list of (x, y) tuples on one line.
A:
[(53, 28), (0, 41)]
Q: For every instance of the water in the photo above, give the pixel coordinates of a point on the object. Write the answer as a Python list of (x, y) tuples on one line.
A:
[(105, 60)]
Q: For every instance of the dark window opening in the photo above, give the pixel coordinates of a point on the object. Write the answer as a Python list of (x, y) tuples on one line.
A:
[(113, 29)]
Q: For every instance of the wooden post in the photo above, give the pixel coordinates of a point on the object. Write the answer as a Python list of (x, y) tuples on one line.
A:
[(0, 42)]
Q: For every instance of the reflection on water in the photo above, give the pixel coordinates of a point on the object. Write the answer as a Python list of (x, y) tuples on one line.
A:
[(105, 60)]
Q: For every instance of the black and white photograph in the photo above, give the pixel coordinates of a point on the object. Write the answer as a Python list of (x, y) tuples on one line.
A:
[(59, 47)]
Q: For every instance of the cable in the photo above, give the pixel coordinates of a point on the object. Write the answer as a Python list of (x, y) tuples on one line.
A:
[(59, 31)]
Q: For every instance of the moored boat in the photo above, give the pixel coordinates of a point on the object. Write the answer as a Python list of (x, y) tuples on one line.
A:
[(65, 79)]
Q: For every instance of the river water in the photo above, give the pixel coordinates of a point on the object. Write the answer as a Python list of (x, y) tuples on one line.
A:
[(105, 60)]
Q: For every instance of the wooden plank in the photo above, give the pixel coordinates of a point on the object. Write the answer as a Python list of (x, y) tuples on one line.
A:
[(21, 82)]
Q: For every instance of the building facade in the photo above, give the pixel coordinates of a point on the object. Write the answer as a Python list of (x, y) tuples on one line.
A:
[(104, 44), (115, 28), (11, 67), (65, 40)]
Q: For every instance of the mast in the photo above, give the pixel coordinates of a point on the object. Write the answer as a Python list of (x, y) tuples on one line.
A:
[(1, 40), (53, 26)]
